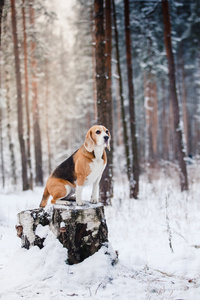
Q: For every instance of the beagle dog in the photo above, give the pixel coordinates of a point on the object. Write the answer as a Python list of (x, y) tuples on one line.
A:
[(82, 168)]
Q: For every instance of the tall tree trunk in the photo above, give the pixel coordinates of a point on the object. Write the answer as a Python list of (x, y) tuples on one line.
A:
[(1, 13), (104, 108), (165, 124), (36, 126), (27, 97), (106, 185), (2, 151), (154, 120), (196, 142), (118, 127), (135, 164), (100, 61), (47, 117), (125, 135), (172, 151), (184, 100), (19, 98), (148, 112), (149, 124), (1, 133), (94, 66), (11, 145), (173, 95)]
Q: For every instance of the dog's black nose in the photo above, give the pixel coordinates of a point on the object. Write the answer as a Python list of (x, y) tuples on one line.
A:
[(106, 138)]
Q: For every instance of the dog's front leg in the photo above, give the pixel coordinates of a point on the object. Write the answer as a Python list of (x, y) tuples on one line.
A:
[(79, 189), (94, 197)]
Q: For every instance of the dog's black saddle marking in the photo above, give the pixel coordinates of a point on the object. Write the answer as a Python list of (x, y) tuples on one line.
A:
[(66, 170)]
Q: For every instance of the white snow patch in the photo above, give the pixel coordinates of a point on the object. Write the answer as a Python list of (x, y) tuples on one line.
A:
[(62, 224), (147, 268), (42, 231)]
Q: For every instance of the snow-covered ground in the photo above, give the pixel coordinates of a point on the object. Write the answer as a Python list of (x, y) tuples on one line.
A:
[(140, 230)]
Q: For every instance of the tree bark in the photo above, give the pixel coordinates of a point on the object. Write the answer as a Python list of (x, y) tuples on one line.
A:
[(2, 151), (19, 98), (36, 126), (94, 67), (1, 13), (11, 144), (165, 124), (106, 185), (27, 98), (125, 135), (148, 111), (135, 164), (47, 117), (83, 230), (184, 102), (155, 121), (1, 133), (100, 61), (173, 95), (104, 105)]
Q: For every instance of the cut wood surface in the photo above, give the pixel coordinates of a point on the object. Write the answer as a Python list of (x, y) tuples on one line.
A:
[(81, 229)]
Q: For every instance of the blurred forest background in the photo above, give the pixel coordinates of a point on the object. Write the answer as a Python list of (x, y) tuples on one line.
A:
[(133, 66)]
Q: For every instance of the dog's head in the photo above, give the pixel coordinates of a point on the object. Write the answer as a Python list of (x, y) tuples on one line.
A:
[(97, 136)]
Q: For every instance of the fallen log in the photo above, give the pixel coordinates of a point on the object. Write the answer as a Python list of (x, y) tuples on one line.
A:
[(81, 229)]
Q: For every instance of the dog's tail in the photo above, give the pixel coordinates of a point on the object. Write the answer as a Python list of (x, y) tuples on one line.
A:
[(45, 198)]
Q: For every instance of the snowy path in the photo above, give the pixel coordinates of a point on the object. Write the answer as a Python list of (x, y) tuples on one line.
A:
[(139, 230)]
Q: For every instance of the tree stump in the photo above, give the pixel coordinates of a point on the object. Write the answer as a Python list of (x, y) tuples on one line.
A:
[(81, 229)]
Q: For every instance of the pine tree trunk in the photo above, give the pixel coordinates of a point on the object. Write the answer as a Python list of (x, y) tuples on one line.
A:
[(27, 98), (119, 129), (94, 67), (47, 117), (148, 109), (11, 145), (173, 95), (196, 142), (103, 106), (106, 185), (184, 101), (196, 121), (134, 187), (165, 124), (154, 121), (2, 152), (173, 154), (36, 126), (19, 98), (1, 132), (100, 60), (125, 135), (1, 13)]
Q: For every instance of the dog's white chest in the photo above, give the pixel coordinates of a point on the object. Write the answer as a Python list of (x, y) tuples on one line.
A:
[(97, 167)]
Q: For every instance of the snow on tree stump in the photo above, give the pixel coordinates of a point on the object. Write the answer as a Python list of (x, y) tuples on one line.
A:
[(81, 229)]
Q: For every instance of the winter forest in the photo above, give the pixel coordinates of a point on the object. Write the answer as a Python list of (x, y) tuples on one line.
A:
[(134, 67), (51, 92)]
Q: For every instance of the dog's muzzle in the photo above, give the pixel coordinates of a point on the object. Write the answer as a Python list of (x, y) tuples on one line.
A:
[(106, 138)]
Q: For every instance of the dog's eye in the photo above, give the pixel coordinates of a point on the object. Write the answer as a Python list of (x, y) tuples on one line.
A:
[(98, 132), (107, 131)]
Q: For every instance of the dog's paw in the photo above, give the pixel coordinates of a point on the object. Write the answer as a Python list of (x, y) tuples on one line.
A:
[(94, 201), (80, 202)]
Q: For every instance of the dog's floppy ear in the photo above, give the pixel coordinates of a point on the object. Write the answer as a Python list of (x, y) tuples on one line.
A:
[(89, 143), (108, 146)]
